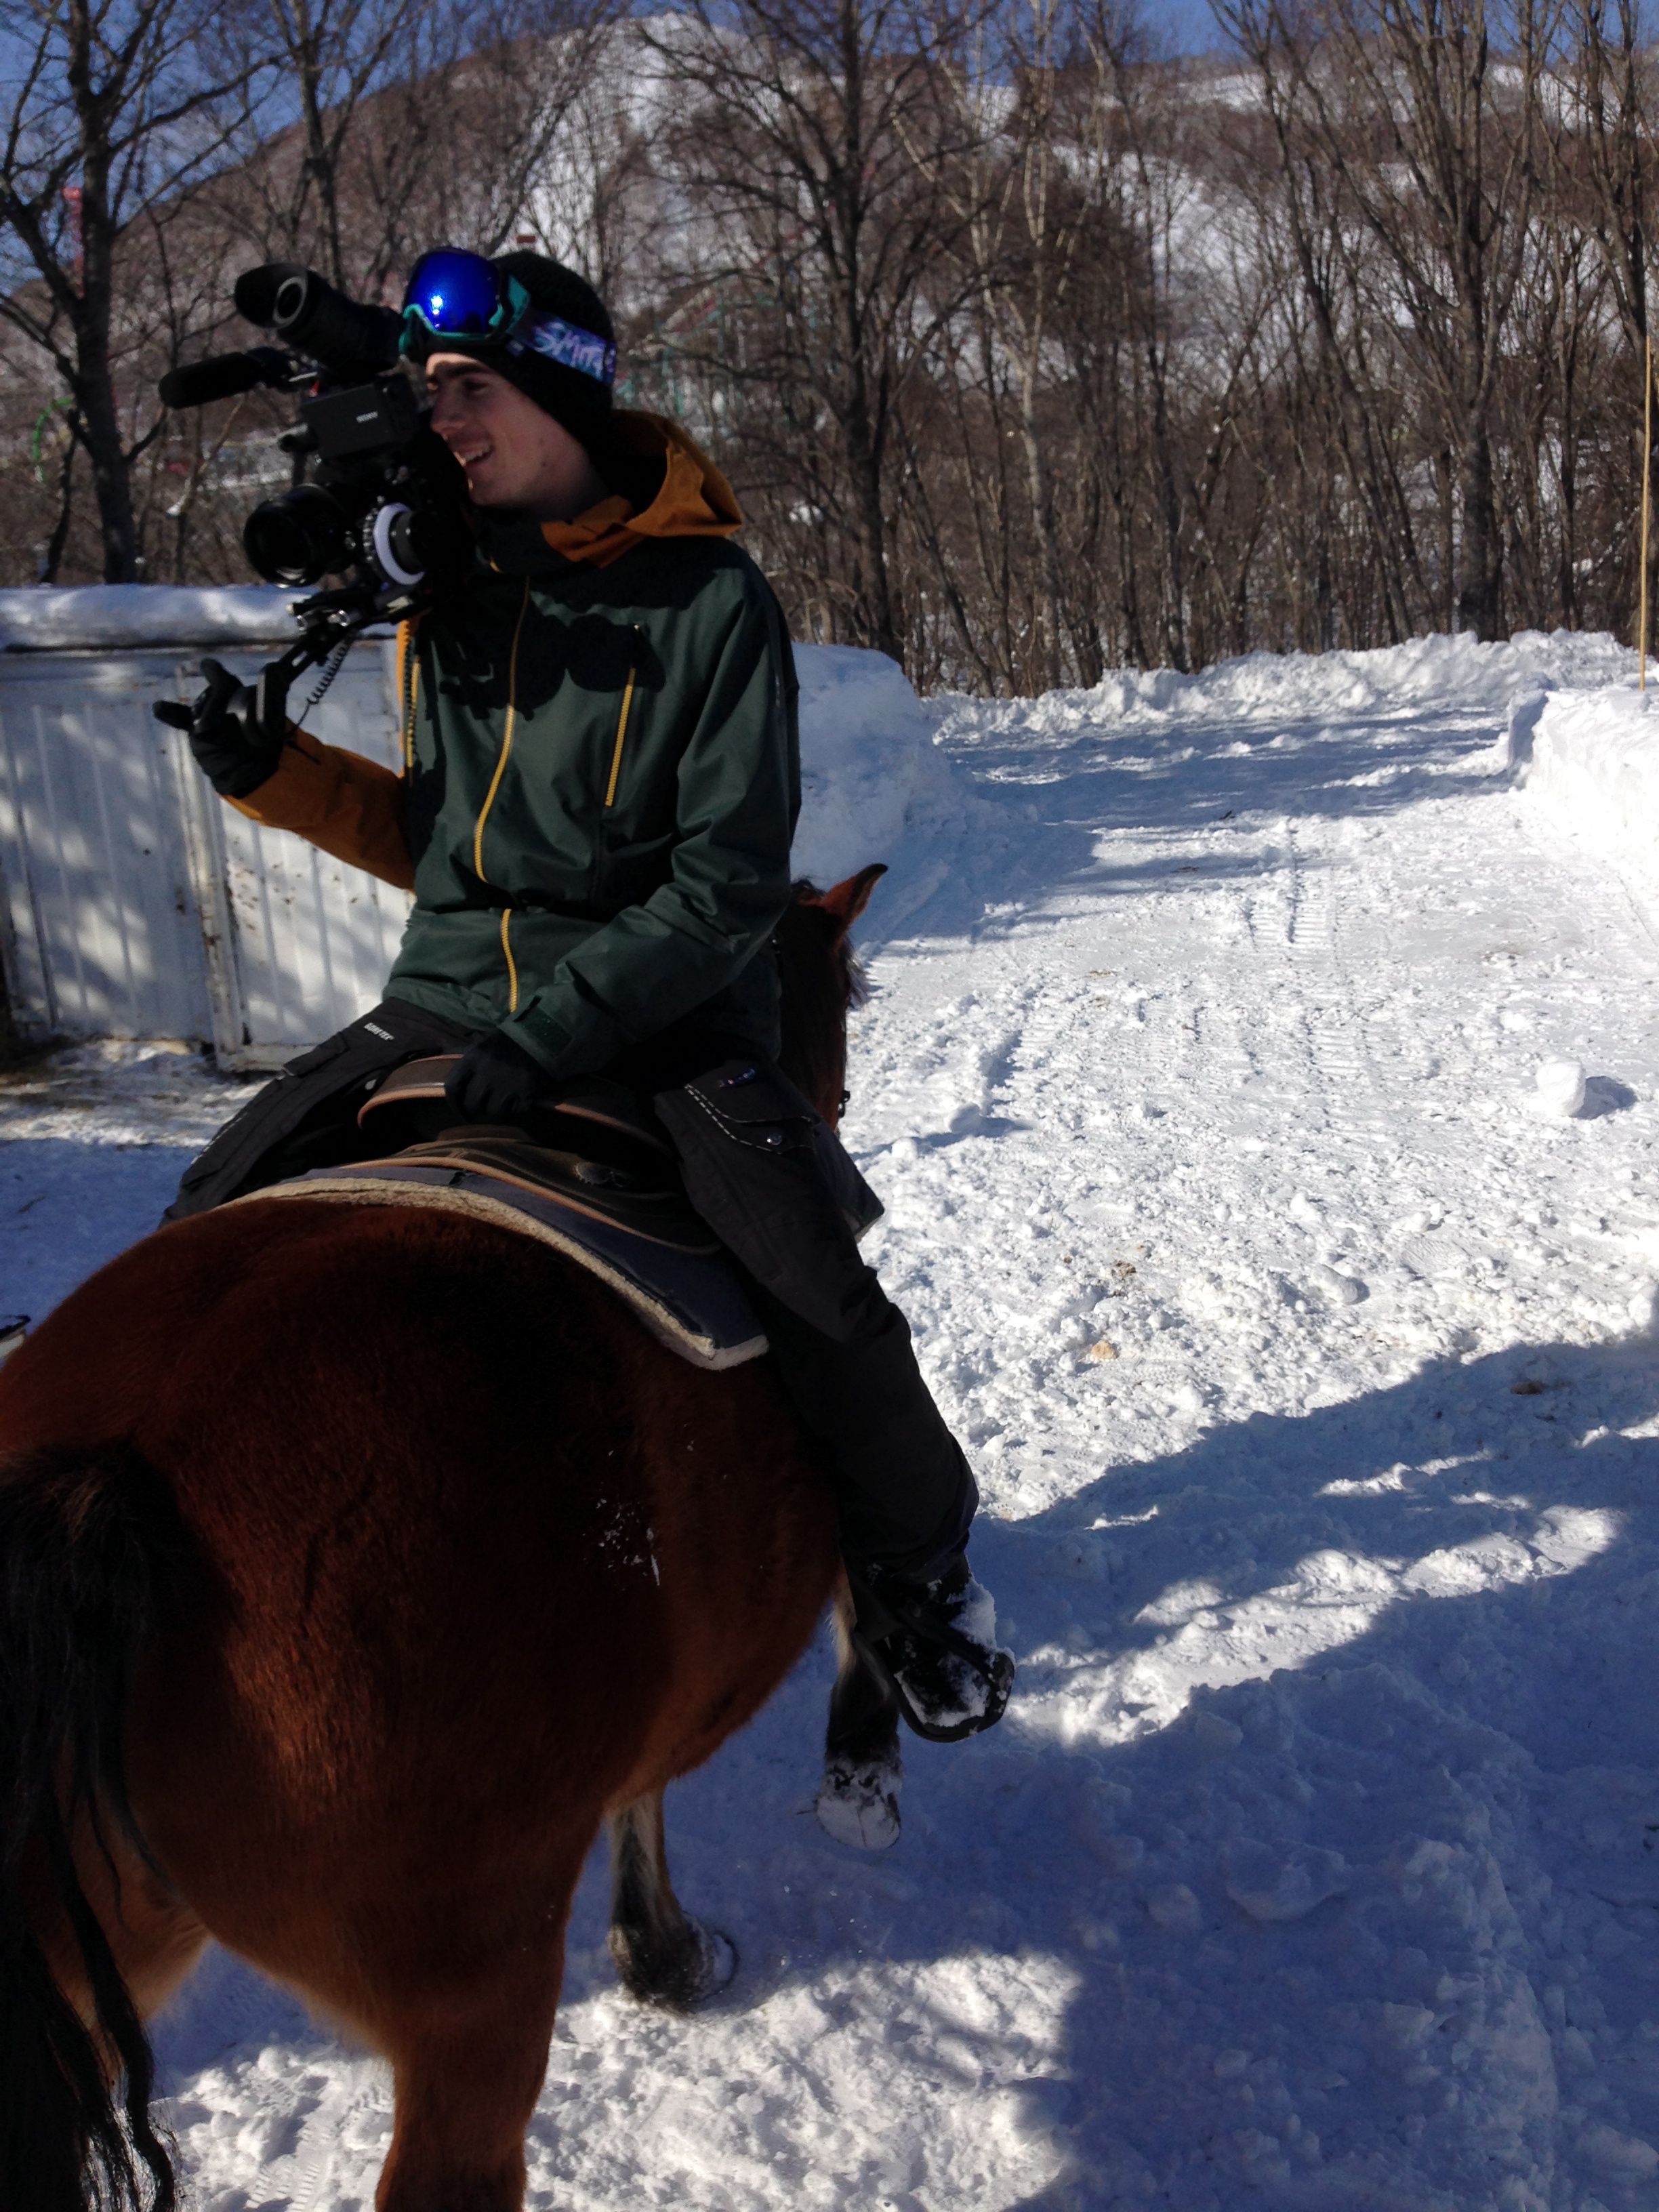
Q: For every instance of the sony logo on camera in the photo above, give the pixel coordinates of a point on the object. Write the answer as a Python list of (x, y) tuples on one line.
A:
[(365, 419)]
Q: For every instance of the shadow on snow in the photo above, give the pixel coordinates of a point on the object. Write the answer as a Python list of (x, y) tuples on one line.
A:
[(1421, 1749)]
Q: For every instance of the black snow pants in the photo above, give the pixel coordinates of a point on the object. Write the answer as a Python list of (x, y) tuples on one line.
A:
[(773, 1182)]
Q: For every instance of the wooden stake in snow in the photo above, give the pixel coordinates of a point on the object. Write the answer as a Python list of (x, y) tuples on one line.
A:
[(1647, 480)]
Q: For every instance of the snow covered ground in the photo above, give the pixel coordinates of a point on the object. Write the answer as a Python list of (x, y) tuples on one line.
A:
[(1308, 1356)]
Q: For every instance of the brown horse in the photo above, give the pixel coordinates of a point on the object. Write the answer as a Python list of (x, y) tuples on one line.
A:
[(354, 1565)]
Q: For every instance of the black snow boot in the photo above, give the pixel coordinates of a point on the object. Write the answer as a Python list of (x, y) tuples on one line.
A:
[(935, 1643)]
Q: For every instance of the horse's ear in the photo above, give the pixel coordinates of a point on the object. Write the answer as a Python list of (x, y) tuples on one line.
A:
[(848, 900)]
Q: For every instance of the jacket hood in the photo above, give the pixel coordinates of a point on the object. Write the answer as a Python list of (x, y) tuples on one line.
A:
[(694, 499)]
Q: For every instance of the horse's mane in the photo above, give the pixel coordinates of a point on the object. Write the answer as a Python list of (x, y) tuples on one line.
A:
[(821, 981)]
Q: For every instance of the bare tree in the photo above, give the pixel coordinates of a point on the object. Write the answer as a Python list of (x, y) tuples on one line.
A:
[(1602, 142), (1031, 349), (1603, 149), (1437, 150), (823, 136), (334, 55), (114, 107), (1048, 227), (458, 149)]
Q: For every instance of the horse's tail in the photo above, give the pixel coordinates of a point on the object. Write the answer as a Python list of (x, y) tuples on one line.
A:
[(84, 1539)]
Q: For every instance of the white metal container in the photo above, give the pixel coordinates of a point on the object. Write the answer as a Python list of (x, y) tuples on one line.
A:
[(135, 903)]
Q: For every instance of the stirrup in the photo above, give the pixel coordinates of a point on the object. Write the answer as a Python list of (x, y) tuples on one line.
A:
[(996, 1674)]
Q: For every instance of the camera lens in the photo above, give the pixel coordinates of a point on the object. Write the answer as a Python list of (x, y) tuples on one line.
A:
[(350, 339), (298, 538)]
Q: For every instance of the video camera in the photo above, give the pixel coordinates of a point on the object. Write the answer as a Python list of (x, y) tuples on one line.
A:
[(382, 504)]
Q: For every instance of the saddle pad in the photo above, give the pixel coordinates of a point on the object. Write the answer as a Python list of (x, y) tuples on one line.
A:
[(690, 1300)]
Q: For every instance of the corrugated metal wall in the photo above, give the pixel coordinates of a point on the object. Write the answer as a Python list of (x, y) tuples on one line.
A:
[(135, 903)]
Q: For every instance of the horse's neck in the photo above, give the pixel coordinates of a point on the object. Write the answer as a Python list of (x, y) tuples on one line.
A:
[(813, 978)]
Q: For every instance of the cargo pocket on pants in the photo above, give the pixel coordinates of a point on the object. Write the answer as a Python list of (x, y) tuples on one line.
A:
[(756, 1160), (760, 1107), (319, 1084), (753, 1106)]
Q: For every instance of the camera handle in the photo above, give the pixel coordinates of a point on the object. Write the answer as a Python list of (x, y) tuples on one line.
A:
[(318, 646), (276, 679), (271, 690), (329, 621)]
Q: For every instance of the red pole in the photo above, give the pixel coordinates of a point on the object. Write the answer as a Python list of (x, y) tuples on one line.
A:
[(72, 201)]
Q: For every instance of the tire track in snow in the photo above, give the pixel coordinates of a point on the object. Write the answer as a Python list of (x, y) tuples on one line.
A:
[(1338, 1050)]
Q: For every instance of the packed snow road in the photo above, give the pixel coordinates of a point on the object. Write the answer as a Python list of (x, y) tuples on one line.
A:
[(1306, 1347)]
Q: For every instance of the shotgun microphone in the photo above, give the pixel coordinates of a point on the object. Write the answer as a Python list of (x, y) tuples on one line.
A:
[(223, 375)]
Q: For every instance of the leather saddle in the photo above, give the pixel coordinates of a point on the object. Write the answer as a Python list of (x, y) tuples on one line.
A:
[(591, 1174), (595, 1149)]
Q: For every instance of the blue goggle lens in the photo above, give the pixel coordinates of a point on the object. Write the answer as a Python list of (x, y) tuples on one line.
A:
[(455, 294)]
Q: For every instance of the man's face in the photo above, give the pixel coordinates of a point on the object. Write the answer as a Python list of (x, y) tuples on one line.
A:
[(513, 453)]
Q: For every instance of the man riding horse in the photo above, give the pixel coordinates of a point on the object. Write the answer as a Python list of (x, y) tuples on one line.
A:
[(601, 782)]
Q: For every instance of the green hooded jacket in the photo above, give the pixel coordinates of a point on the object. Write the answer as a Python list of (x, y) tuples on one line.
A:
[(601, 778)]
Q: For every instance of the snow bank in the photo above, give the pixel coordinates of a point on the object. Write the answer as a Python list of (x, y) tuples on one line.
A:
[(1424, 674), (1594, 773), (139, 615), (870, 771)]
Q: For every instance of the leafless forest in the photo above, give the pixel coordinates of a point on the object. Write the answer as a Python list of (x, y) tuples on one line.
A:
[(1031, 349)]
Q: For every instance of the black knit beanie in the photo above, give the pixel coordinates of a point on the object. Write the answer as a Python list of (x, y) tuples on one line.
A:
[(581, 402)]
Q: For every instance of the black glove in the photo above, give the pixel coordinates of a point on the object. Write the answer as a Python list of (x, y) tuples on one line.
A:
[(496, 1080), (234, 753)]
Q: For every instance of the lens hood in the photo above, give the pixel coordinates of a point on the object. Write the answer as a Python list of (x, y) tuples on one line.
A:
[(350, 340)]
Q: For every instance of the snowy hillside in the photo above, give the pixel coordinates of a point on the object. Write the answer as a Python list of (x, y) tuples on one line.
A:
[(1305, 1343)]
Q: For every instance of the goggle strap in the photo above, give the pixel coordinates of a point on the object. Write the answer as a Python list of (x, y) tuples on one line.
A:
[(584, 351)]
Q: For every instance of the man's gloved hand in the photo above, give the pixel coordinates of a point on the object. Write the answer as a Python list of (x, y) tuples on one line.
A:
[(496, 1080), (234, 753)]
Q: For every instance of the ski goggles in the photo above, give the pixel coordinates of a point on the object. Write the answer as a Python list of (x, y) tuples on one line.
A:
[(458, 302)]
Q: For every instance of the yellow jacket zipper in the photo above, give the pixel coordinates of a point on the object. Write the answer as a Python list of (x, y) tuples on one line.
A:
[(409, 667), (512, 964), (621, 731), (489, 800), (506, 740)]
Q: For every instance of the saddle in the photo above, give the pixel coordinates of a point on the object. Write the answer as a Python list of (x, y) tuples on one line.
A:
[(589, 1174)]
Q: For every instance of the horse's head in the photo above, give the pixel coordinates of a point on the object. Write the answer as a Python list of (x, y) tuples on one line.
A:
[(821, 979)]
